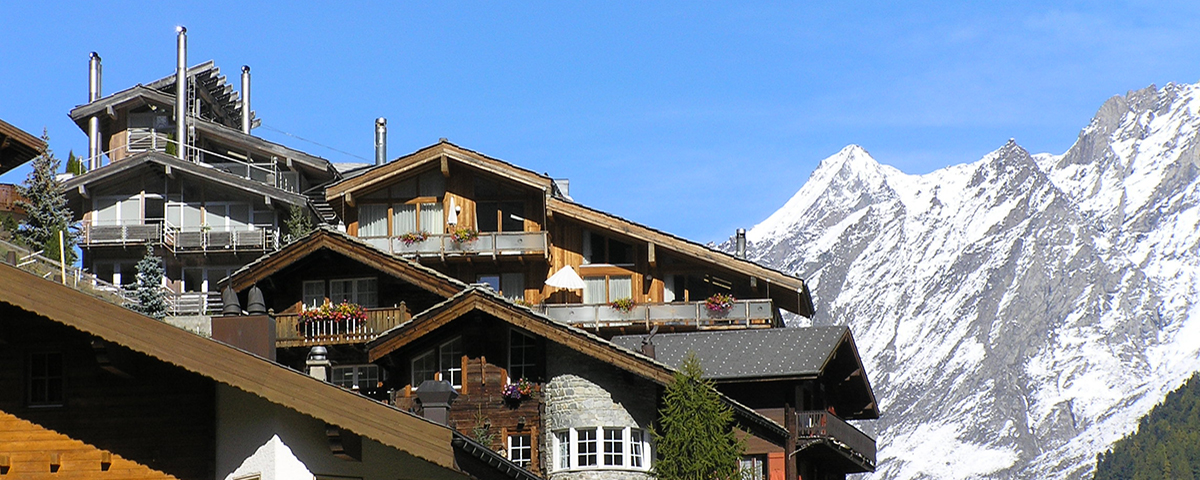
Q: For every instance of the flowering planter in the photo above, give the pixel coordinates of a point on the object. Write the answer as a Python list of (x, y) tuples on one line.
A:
[(329, 319)]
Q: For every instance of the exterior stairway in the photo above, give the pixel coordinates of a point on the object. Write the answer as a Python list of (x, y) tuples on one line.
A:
[(316, 198)]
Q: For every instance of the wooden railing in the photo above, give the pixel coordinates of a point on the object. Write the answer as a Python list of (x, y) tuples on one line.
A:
[(290, 332), (488, 243), (820, 424), (743, 314)]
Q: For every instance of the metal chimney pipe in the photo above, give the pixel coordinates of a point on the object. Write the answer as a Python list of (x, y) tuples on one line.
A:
[(246, 99), (741, 243), (94, 122), (181, 92), (380, 141)]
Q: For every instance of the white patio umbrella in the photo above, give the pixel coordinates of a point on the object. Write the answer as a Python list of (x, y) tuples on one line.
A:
[(452, 218), (565, 278)]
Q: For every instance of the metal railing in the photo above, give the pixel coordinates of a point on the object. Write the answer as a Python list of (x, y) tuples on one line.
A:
[(76, 278), (193, 303), (743, 314), (823, 425), (488, 243), (178, 239), (267, 173), (291, 332)]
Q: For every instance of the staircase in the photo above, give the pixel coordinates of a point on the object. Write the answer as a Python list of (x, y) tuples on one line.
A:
[(316, 199)]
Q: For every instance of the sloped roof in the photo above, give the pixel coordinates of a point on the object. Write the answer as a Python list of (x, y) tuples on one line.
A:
[(737, 354), (17, 146), (325, 237), (225, 102), (483, 299), (236, 137), (199, 170)]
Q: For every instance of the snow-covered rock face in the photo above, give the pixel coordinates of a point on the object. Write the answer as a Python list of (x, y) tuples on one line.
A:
[(1017, 314)]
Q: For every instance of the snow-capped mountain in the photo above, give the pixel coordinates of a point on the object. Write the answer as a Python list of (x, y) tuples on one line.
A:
[(1017, 314)]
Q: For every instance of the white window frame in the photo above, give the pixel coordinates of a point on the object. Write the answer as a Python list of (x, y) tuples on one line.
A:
[(451, 367), (312, 301), (357, 375), (633, 455), (356, 292), (527, 448)]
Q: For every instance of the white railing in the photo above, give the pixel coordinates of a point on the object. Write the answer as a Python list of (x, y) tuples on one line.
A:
[(267, 173), (179, 239), (743, 313), (488, 243)]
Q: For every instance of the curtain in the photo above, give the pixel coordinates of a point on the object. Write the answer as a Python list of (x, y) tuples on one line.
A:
[(404, 219), (432, 220), (372, 221), (620, 287), (593, 290)]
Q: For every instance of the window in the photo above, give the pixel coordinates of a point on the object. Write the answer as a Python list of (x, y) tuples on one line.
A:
[(521, 356), (585, 448), (314, 293), (500, 216), (363, 291), (606, 288), (511, 285), (624, 448), (415, 205), (520, 449), (754, 467), (45, 388), (600, 249), (446, 359), (372, 221), (355, 377), (613, 441)]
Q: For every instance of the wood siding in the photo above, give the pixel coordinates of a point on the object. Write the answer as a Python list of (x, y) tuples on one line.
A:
[(30, 450)]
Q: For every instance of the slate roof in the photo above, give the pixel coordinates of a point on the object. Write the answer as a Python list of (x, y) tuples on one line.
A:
[(734, 354)]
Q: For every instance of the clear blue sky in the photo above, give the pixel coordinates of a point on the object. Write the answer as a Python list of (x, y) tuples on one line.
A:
[(693, 117)]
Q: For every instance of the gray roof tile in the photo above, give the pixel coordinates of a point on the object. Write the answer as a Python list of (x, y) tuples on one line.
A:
[(730, 354)]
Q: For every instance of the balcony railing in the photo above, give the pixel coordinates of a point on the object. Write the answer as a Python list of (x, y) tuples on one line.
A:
[(179, 239), (743, 314), (822, 425), (290, 332), (488, 243)]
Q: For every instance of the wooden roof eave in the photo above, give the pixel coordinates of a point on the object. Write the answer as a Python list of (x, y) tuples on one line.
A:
[(391, 171), (795, 297), (312, 163), (872, 403), (111, 170), (231, 366), (135, 94), (570, 337), (321, 238), (17, 146)]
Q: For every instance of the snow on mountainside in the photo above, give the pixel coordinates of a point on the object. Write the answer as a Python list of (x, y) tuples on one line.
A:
[(1017, 314)]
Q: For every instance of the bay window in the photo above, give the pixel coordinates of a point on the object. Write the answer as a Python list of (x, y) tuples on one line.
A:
[(623, 448)]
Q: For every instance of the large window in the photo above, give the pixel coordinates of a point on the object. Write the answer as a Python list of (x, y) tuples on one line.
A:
[(46, 378), (511, 285), (606, 288), (355, 377), (522, 356), (415, 205), (601, 448), (314, 293), (445, 359), (599, 249), (363, 291), (500, 216), (520, 449)]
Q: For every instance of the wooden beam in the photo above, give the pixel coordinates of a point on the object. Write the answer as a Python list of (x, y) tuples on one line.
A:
[(348, 198), (445, 166), (651, 258), (83, 191)]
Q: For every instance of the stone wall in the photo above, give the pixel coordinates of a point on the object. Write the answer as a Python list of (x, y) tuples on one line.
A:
[(583, 392)]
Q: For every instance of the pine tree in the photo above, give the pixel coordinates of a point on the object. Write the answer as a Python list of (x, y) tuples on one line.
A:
[(297, 224), (74, 164), (697, 440), (46, 206), (147, 292)]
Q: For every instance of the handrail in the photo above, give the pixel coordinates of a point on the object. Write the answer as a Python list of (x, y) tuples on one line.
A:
[(488, 243), (825, 425), (289, 331), (747, 313), (177, 239), (272, 172)]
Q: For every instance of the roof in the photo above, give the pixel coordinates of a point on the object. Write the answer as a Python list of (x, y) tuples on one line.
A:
[(368, 179), (105, 107), (790, 292), (225, 103), (17, 146), (218, 131), (325, 237), (482, 298), (172, 165), (228, 365), (736, 354)]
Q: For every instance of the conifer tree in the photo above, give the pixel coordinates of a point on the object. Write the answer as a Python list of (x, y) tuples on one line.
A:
[(74, 164), (46, 207), (297, 224), (148, 298), (697, 440)]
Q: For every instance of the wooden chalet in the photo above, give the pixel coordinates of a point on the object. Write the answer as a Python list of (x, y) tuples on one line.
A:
[(17, 146), (515, 228), (92, 390), (591, 403), (809, 379)]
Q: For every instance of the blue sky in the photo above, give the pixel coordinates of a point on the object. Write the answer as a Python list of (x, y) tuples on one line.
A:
[(693, 117)]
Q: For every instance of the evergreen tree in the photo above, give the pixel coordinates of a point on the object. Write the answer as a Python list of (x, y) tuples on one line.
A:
[(147, 292), (74, 164), (46, 206), (297, 224), (1166, 444), (697, 440)]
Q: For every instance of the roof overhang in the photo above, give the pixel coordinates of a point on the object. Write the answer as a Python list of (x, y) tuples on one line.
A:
[(106, 108), (17, 146), (130, 165), (324, 238), (315, 165), (789, 292)]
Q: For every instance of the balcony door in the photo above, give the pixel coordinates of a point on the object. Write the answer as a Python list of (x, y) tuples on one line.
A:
[(117, 210)]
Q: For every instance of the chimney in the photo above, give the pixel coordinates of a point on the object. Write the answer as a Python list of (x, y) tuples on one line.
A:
[(380, 141), (436, 397), (741, 243), (94, 122), (181, 92), (255, 305), (246, 114), (229, 302), (648, 343), (318, 364)]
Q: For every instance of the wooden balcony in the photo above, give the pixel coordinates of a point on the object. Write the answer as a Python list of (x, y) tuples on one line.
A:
[(675, 316), (842, 441), (179, 239), (494, 244), (290, 333)]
